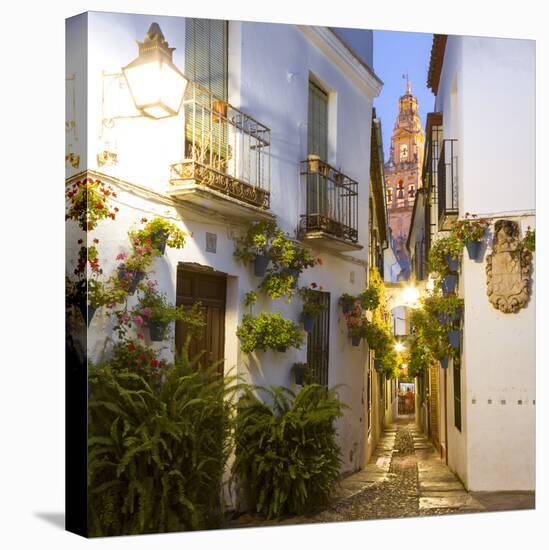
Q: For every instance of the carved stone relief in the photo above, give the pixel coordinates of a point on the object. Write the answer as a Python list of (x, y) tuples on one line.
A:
[(508, 269)]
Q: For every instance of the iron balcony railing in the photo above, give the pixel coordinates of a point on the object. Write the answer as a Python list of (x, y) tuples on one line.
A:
[(225, 149), (447, 180), (331, 201)]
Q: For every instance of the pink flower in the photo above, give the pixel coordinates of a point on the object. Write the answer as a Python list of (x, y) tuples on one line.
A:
[(140, 335), (146, 311), (122, 256), (138, 319)]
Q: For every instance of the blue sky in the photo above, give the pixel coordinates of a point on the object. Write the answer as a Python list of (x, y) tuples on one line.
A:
[(395, 54)]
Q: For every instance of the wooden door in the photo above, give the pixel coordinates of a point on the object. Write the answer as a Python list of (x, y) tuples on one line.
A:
[(208, 288)]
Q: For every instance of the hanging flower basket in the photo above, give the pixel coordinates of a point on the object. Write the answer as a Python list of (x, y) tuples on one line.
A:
[(377, 364), (132, 276), (473, 249), (452, 263), (355, 340), (157, 331), (159, 240), (444, 362), (281, 349), (308, 321), (261, 263), (449, 284), (454, 338), (442, 318)]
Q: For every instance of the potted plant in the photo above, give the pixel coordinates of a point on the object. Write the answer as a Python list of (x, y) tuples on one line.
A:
[(445, 308), (159, 233), (454, 338), (154, 309), (268, 331), (370, 298), (255, 245), (312, 305), (132, 270), (277, 283), (449, 283), (347, 302), (470, 232), (444, 255)]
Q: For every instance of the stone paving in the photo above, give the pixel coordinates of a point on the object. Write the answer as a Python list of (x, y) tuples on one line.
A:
[(404, 478)]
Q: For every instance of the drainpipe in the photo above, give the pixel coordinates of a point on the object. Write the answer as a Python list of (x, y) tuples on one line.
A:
[(446, 413)]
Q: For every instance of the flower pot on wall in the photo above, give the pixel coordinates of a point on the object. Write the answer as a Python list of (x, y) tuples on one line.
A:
[(441, 317), (261, 263), (281, 349), (355, 341), (473, 249), (452, 263), (159, 240), (132, 276), (308, 321), (156, 331), (449, 284), (444, 362), (454, 338), (377, 364), (313, 163)]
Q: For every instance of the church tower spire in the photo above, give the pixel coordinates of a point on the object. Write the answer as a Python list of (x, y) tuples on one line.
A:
[(403, 172)]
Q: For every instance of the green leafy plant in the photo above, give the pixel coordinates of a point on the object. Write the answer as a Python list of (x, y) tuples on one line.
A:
[(250, 298), (529, 240), (438, 304), (268, 331), (88, 203), (277, 284), (369, 299), (312, 303), (256, 240), (157, 231), (420, 358), (469, 229), (286, 455), (157, 453), (442, 247)]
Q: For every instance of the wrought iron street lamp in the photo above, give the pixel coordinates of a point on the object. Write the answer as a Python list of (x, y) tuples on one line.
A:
[(155, 83)]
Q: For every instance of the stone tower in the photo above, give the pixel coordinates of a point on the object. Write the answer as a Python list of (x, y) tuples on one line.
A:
[(403, 174)]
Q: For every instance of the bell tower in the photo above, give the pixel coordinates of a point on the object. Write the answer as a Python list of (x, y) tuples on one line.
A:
[(403, 173)]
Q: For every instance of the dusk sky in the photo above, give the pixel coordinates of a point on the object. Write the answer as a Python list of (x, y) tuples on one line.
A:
[(395, 54)]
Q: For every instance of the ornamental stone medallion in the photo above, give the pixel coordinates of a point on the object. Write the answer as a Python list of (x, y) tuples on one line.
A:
[(508, 269)]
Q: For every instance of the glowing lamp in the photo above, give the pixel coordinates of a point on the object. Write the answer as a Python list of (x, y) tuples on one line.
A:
[(155, 83), (410, 295), (399, 346)]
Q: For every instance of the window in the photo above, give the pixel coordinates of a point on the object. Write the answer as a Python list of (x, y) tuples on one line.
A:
[(411, 191), (403, 152), (317, 126), (389, 196), (206, 59), (318, 342), (457, 395)]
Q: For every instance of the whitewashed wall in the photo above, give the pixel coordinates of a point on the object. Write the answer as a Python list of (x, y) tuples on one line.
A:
[(269, 67), (487, 98)]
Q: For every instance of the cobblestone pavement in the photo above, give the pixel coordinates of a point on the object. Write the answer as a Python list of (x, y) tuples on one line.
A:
[(404, 478), (415, 483)]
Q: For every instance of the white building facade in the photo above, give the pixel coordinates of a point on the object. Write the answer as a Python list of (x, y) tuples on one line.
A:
[(484, 128), (271, 77)]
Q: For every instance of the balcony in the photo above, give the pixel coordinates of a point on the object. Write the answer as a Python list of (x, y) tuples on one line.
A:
[(226, 164), (447, 193), (331, 219)]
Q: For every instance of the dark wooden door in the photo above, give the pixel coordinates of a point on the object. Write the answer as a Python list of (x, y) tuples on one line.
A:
[(208, 288), (318, 342)]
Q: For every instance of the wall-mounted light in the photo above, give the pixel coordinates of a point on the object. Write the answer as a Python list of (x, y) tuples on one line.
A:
[(155, 83), (399, 347)]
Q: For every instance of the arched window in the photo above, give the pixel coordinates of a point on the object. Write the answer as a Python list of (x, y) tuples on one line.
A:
[(411, 190), (389, 196)]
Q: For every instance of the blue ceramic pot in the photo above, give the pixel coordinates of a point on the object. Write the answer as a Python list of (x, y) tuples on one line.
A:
[(377, 364), (159, 240), (156, 331), (295, 275), (444, 362), (355, 341), (449, 284), (473, 249), (453, 264), (454, 338), (308, 322), (261, 263), (282, 349), (441, 317), (136, 277)]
